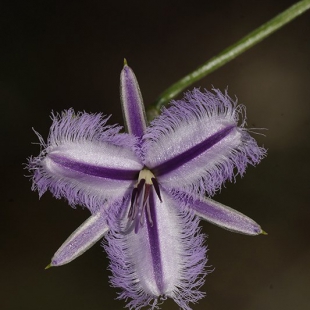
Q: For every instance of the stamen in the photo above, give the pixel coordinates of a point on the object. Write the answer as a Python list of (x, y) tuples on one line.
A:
[(142, 217), (149, 216), (133, 198), (146, 193), (140, 185), (140, 207), (156, 187)]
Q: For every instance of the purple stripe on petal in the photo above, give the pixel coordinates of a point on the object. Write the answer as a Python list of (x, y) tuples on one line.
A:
[(85, 138), (97, 171), (199, 143), (155, 245), (132, 103), (155, 264), (192, 153)]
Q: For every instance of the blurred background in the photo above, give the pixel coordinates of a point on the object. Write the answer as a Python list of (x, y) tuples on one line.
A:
[(60, 54)]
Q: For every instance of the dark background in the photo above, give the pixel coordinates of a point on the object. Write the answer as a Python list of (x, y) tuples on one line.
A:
[(60, 54)]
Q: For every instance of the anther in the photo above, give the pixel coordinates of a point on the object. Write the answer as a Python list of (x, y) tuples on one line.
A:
[(156, 187), (140, 206)]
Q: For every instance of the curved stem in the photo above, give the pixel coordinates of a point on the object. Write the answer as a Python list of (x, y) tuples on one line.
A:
[(228, 54)]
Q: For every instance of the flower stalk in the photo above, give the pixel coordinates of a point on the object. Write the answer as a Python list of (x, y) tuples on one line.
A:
[(228, 54)]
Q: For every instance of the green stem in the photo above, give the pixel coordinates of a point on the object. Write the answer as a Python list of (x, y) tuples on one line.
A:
[(228, 54)]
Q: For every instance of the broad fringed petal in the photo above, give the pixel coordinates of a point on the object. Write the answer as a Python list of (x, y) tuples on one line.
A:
[(219, 214), (196, 144), (165, 258), (85, 161), (83, 238)]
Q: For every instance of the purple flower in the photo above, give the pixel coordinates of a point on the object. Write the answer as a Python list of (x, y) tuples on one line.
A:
[(146, 188)]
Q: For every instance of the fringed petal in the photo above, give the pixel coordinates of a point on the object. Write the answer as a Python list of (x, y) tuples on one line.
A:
[(219, 214), (164, 259), (196, 144), (83, 238), (85, 161), (132, 103)]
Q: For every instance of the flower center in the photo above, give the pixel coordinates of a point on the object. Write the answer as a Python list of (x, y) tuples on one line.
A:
[(140, 198)]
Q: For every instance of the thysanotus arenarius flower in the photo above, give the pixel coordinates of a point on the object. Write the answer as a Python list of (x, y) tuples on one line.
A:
[(146, 189)]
